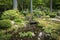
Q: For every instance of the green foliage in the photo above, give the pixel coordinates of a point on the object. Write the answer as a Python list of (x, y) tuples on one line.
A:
[(20, 22), (53, 15), (4, 36), (52, 29), (36, 3), (22, 34), (38, 13), (48, 25), (10, 14), (44, 12), (26, 34), (48, 29), (5, 24), (6, 4), (42, 22), (58, 12), (30, 34)]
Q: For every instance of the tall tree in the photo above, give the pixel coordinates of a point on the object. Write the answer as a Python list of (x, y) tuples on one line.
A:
[(51, 5), (31, 9), (15, 5)]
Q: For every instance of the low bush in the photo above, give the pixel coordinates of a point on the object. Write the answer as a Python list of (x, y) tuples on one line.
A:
[(58, 12), (52, 14), (38, 13), (4, 36), (20, 22), (42, 22), (10, 14), (49, 27), (26, 34), (44, 12), (5, 24)]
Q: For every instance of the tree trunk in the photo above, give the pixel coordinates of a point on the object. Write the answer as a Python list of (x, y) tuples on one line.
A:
[(31, 9), (15, 5), (51, 5)]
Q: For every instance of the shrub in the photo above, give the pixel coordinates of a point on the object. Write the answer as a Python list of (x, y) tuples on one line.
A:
[(52, 29), (5, 24), (4, 36), (38, 13), (10, 14), (42, 22), (53, 15), (22, 34), (26, 34), (25, 12), (58, 12), (30, 34), (20, 22)]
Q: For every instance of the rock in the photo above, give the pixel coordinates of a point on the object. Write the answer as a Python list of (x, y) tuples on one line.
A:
[(12, 22), (33, 34)]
